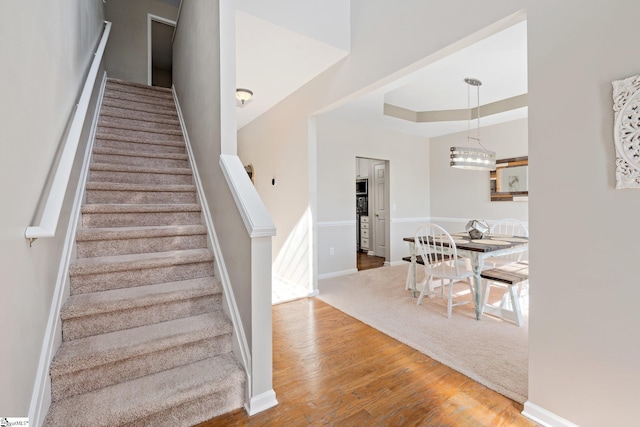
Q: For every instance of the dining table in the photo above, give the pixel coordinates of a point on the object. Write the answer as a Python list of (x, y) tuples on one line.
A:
[(477, 251)]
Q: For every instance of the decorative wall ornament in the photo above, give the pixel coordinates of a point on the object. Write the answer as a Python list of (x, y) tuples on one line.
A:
[(626, 107)]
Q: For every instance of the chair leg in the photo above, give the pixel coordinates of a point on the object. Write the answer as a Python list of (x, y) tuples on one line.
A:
[(450, 299)]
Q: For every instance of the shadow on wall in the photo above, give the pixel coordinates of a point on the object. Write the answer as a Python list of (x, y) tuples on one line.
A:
[(291, 266)]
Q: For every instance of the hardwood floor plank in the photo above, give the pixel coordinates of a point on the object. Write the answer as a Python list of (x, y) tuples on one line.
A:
[(365, 262), (331, 369)]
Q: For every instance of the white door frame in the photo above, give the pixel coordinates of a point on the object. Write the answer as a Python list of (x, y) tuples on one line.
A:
[(150, 19), (374, 224)]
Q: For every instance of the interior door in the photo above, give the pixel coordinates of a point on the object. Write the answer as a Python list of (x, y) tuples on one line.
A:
[(160, 51), (380, 210)]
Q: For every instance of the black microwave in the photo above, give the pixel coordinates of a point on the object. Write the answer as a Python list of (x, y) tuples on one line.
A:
[(361, 187)]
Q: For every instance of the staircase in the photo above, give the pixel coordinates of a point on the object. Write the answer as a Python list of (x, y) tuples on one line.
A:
[(145, 341)]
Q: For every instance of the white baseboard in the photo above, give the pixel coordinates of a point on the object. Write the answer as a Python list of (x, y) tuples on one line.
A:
[(544, 417), (241, 343), (337, 273), (261, 402)]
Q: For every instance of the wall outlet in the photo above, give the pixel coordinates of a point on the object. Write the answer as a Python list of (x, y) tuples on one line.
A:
[(331, 251)]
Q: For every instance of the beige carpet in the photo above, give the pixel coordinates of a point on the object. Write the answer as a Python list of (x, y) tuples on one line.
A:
[(145, 341), (491, 351)]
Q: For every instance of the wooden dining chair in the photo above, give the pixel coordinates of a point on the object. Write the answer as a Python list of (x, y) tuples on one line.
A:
[(508, 227), (440, 259)]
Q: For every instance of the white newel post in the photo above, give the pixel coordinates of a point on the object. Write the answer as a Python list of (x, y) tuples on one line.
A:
[(262, 395)]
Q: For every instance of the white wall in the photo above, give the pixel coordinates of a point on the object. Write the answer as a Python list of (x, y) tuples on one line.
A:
[(460, 195), (583, 326), (127, 49), (47, 48), (386, 37), (338, 144)]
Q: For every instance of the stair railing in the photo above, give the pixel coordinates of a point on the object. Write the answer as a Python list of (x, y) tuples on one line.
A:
[(53, 206)]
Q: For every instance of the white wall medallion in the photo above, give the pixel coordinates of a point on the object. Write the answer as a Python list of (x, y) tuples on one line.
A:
[(626, 107)]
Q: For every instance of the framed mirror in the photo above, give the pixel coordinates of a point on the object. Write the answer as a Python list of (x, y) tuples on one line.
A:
[(510, 181)]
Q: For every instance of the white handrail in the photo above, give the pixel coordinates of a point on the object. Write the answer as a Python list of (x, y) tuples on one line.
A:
[(254, 214), (53, 206)]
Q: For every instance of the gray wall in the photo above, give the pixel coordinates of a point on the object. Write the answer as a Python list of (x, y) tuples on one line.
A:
[(583, 327), (196, 76), (128, 45), (46, 50)]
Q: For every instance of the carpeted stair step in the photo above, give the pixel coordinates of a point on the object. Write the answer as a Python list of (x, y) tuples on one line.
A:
[(90, 363), (135, 240), (114, 99), (139, 215), (122, 271), (183, 396), (97, 313), (133, 123), (159, 111), (138, 98), (150, 134), (139, 88), (116, 111), (106, 172), (140, 158), (113, 192), (169, 144)]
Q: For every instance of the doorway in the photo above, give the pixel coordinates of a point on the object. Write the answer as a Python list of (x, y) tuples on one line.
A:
[(372, 225), (160, 51)]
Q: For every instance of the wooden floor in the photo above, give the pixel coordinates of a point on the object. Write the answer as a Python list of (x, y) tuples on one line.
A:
[(331, 369), (366, 262)]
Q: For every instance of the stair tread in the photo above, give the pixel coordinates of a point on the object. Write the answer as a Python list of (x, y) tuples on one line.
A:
[(132, 115), (119, 82), (140, 98), (140, 153), (126, 402), (106, 264), (119, 104), (115, 167), (126, 186), (140, 208), (93, 234), (101, 135), (138, 296), (97, 350), (102, 125), (132, 122)]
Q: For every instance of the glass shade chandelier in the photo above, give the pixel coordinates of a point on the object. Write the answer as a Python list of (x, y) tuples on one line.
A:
[(471, 157)]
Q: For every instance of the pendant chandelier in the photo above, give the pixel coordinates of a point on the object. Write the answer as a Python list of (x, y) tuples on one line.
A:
[(470, 157)]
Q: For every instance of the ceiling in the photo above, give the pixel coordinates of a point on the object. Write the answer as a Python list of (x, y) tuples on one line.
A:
[(274, 61), (281, 47)]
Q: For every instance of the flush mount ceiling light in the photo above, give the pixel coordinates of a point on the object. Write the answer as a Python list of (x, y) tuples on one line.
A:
[(243, 95), (470, 157)]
